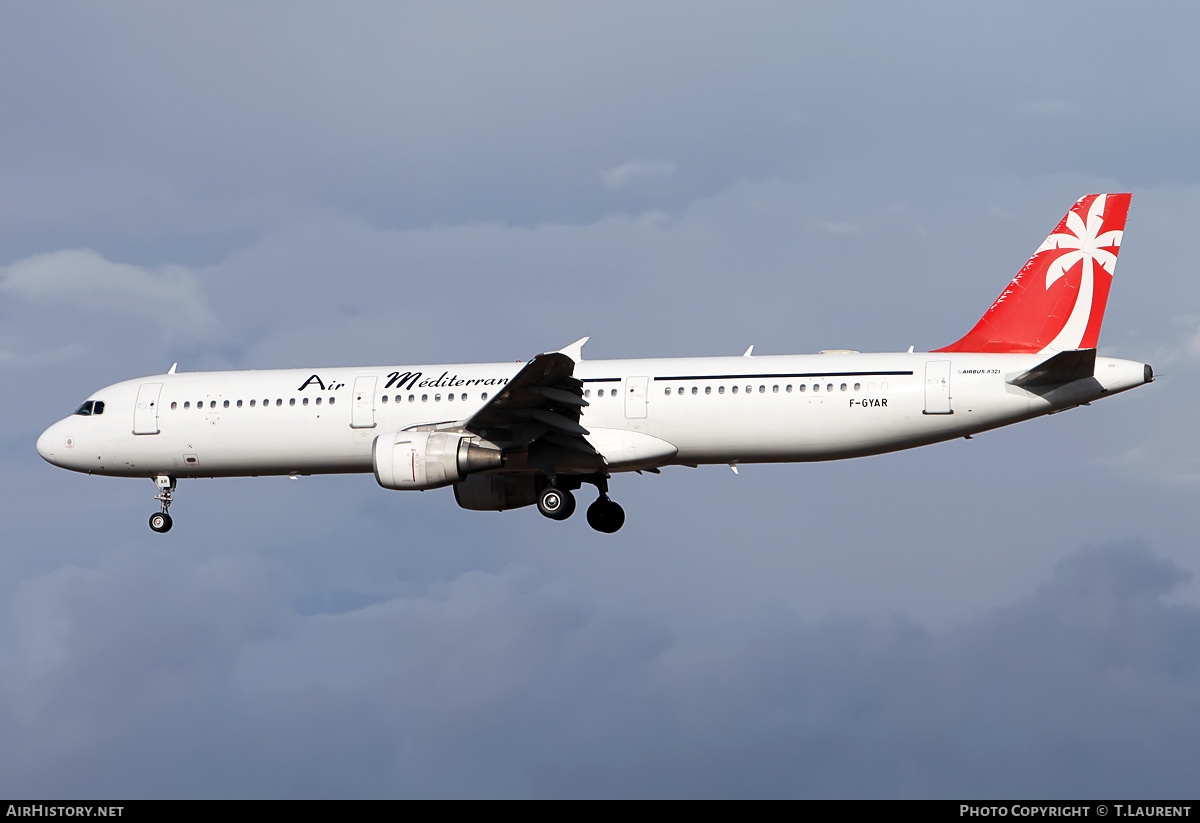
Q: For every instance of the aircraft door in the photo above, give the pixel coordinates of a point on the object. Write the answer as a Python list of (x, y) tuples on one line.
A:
[(362, 413), (635, 397), (937, 387), (145, 410)]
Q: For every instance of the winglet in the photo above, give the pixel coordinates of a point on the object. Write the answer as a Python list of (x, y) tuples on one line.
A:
[(749, 351), (575, 350), (172, 369)]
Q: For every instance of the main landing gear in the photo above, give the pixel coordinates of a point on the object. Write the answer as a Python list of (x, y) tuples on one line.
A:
[(556, 503), (604, 515), (161, 521)]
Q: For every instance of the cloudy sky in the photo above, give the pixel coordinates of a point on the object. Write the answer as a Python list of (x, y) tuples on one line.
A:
[(260, 185)]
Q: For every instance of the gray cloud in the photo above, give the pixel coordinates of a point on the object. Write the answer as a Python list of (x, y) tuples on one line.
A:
[(515, 684), (637, 171), (82, 280)]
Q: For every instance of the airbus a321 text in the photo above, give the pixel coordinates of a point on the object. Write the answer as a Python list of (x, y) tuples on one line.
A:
[(508, 435)]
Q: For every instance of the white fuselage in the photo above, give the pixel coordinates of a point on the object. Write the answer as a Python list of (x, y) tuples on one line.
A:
[(641, 413)]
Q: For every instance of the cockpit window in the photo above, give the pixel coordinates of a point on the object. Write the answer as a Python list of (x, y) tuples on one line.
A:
[(91, 407)]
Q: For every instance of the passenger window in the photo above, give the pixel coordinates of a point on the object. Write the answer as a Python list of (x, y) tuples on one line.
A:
[(399, 398), (212, 404), (424, 398), (318, 401), (708, 389), (857, 386), (788, 388), (437, 398), (304, 401), (695, 390), (331, 400), (239, 404), (173, 404), (802, 388), (843, 387), (775, 390), (251, 404), (667, 390), (450, 397), (829, 387), (485, 395), (187, 404), (291, 401), (816, 386), (734, 389), (749, 389), (384, 398), (720, 389), (411, 398), (226, 404), (278, 401), (883, 386)]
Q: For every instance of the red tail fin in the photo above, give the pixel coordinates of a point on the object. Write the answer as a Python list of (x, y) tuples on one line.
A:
[(1056, 302)]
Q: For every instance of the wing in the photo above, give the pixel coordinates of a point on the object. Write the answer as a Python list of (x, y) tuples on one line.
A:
[(539, 407)]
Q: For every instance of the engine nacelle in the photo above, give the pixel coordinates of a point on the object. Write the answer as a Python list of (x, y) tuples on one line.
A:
[(417, 460), (496, 492)]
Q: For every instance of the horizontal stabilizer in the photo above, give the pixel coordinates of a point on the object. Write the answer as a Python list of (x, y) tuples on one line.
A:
[(1061, 368)]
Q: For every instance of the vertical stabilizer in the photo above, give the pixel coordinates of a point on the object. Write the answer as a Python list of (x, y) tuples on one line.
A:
[(1056, 302)]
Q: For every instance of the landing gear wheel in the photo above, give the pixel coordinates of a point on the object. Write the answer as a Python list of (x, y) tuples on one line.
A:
[(555, 503), (605, 516), (161, 521)]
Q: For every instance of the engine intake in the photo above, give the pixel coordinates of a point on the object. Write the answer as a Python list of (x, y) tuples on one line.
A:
[(417, 460)]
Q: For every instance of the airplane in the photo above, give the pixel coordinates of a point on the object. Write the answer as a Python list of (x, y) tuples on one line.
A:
[(509, 435)]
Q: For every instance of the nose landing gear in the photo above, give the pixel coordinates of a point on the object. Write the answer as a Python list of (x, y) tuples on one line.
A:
[(161, 521)]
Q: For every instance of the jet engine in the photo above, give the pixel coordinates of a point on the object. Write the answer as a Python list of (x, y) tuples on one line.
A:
[(418, 460)]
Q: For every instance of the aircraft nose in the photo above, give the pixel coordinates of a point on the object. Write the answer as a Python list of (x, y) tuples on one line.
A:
[(48, 444)]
